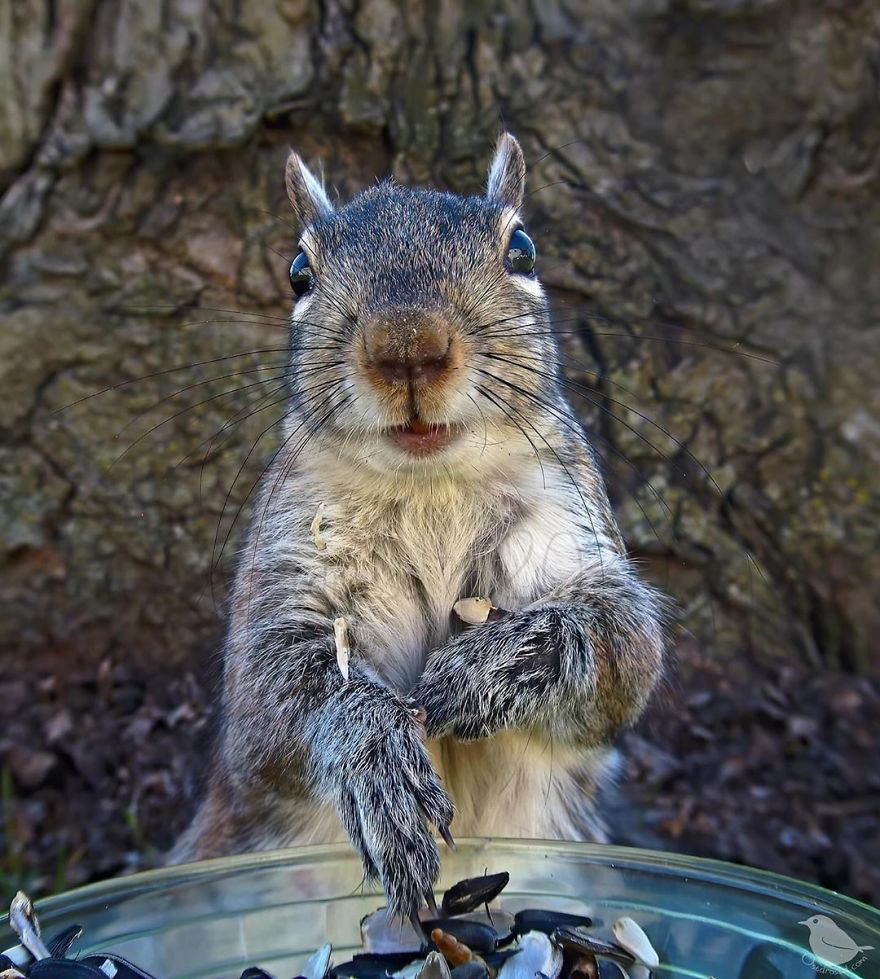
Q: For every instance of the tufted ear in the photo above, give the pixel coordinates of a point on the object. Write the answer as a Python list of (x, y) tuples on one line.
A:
[(305, 191), (507, 174)]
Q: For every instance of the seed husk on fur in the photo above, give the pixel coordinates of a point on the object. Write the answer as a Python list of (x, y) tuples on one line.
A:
[(474, 611), (343, 650), (315, 528)]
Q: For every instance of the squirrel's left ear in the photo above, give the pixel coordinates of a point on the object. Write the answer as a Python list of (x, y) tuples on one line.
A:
[(507, 174), (306, 192)]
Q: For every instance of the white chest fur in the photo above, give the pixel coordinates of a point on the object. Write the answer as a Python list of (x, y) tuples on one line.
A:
[(400, 567)]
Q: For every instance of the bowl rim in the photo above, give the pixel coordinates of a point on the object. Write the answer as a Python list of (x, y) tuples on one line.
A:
[(673, 864)]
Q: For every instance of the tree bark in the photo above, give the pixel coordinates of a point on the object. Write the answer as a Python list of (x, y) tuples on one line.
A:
[(703, 195)]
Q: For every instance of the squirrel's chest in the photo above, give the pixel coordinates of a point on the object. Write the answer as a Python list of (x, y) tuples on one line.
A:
[(412, 565)]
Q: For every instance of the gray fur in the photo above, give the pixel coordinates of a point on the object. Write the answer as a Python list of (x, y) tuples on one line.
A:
[(520, 712)]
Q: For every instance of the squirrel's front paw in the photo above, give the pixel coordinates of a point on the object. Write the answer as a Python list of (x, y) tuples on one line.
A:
[(386, 793), (449, 711), (493, 676)]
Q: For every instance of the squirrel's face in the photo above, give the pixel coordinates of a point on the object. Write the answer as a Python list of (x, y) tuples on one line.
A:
[(418, 319)]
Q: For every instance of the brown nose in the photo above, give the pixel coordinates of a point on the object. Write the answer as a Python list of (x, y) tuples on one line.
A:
[(406, 346)]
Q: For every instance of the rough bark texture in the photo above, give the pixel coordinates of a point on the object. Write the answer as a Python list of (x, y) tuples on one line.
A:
[(704, 174)]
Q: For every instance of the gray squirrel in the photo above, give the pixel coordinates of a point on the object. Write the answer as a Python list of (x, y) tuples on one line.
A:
[(429, 455)]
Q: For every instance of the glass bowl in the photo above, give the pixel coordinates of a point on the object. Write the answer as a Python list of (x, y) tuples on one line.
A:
[(704, 917)]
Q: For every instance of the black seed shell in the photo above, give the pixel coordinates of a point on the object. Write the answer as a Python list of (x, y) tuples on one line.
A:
[(473, 892)]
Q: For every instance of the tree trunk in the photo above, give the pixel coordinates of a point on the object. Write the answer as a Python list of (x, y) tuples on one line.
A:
[(703, 195)]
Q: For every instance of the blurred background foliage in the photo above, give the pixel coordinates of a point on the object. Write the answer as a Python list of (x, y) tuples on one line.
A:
[(703, 193)]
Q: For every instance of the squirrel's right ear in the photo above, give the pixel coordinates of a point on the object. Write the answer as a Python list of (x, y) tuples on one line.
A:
[(305, 191), (507, 173)]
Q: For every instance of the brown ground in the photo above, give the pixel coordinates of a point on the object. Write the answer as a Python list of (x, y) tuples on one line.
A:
[(772, 766)]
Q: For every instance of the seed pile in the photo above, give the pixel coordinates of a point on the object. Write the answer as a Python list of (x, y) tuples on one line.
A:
[(462, 939), (466, 939)]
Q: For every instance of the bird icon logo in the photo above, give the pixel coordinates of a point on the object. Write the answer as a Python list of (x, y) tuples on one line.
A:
[(830, 942)]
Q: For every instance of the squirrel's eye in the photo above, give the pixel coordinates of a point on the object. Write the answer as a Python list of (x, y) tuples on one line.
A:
[(521, 253), (300, 275)]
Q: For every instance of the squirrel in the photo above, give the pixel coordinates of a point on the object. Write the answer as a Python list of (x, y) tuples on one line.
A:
[(428, 455)]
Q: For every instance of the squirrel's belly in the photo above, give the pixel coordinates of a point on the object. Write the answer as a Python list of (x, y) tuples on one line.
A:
[(521, 785), (516, 785)]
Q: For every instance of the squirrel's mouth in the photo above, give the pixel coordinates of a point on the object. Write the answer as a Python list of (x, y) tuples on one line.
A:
[(420, 438)]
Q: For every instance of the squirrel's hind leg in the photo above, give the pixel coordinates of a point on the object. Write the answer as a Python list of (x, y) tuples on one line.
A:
[(234, 820)]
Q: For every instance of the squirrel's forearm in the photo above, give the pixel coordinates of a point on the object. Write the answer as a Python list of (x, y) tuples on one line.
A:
[(286, 701), (581, 663)]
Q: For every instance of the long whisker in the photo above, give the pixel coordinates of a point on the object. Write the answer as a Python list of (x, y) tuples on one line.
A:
[(483, 418), (587, 509), (281, 365), (569, 361), (500, 403), (586, 393), (285, 373), (188, 408), (556, 149), (278, 322), (320, 393), (328, 295), (184, 307), (281, 220), (527, 330), (581, 436), (537, 190), (282, 477), (218, 321), (239, 418), (170, 370), (264, 403)]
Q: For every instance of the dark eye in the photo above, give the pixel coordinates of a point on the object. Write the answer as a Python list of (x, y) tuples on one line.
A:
[(521, 253), (300, 275)]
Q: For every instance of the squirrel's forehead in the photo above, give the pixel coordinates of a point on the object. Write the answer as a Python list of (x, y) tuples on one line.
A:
[(394, 218)]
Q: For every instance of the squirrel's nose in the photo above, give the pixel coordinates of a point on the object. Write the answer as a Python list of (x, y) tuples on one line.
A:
[(408, 346)]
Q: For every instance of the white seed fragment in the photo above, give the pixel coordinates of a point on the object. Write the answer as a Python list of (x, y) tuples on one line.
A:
[(537, 954), (383, 932), (630, 936), (343, 650), (474, 611), (410, 971), (435, 967), (318, 965), (315, 528), (24, 923)]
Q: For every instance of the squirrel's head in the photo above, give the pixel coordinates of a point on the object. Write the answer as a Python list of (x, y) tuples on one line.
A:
[(419, 327)]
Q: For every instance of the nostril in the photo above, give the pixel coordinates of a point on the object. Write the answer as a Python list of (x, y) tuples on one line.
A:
[(407, 371), (395, 371), (428, 370)]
